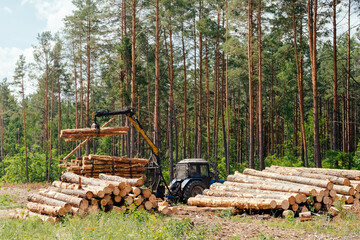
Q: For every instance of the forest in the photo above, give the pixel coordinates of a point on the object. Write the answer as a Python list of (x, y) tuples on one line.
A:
[(240, 83)]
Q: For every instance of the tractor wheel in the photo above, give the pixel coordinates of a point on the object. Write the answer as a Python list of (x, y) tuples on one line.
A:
[(192, 189)]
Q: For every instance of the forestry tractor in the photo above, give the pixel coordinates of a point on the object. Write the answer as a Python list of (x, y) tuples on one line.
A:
[(191, 177)]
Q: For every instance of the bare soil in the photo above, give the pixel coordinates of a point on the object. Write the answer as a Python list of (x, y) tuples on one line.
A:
[(250, 227), (241, 227)]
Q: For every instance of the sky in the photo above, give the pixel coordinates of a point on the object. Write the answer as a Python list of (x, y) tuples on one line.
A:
[(20, 23)]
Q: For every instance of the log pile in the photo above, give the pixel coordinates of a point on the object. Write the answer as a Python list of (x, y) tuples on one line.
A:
[(283, 188), (94, 165), (84, 133), (78, 195)]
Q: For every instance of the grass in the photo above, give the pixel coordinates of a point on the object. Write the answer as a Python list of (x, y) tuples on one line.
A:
[(136, 225), (7, 201)]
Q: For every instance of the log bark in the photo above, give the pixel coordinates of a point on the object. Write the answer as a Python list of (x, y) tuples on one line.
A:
[(241, 203), (118, 159), (74, 192), (350, 174), (250, 194), (296, 179), (46, 209), (239, 177), (129, 171), (344, 190), (184, 208), (131, 182), (37, 198), (73, 201), (296, 172), (74, 178), (77, 137), (273, 186), (93, 130), (282, 201)]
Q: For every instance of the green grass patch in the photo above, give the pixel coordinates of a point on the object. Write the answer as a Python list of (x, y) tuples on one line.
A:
[(136, 225), (7, 201)]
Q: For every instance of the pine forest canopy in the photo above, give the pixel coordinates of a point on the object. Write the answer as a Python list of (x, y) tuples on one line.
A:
[(240, 83)]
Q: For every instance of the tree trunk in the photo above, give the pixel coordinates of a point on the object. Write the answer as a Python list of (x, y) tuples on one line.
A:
[(73, 201), (250, 195), (131, 182), (51, 124), (133, 74), (157, 81), (171, 104), (37, 198), (24, 123), (46, 209), (261, 127), (207, 102), (335, 87), (241, 203), (2, 114), (81, 193), (251, 90), (296, 179), (195, 96), (312, 25), (199, 122), (304, 173), (88, 76), (185, 93), (348, 142)]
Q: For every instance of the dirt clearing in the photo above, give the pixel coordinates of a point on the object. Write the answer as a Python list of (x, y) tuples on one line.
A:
[(235, 227)]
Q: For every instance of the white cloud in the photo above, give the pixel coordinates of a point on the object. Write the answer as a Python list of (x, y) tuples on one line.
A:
[(52, 11), (8, 59), (7, 9)]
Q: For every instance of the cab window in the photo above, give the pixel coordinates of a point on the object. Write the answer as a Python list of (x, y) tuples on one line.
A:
[(204, 170)]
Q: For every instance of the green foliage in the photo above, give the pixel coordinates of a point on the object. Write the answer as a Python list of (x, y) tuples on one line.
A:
[(15, 167), (135, 225), (227, 213)]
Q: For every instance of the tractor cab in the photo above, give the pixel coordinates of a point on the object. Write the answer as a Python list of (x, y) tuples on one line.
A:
[(192, 176)]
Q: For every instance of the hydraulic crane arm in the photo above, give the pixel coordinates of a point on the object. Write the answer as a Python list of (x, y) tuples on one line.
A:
[(156, 175), (130, 114)]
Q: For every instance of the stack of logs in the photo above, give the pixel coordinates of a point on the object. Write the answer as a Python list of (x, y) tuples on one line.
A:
[(94, 165), (282, 188), (85, 133), (79, 195)]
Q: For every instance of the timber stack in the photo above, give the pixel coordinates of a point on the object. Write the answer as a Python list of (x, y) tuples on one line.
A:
[(85, 133), (94, 165), (78, 195), (284, 188)]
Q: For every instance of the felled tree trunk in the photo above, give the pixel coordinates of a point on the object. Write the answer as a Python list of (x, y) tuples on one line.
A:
[(296, 172), (46, 209), (296, 179), (74, 192), (36, 198), (131, 182), (241, 203), (73, 201)]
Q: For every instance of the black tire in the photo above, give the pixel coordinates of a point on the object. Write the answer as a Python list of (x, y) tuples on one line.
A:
[(192, 189)]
